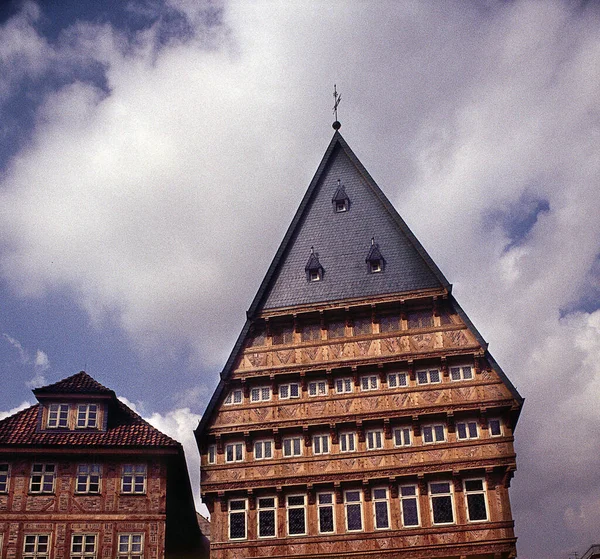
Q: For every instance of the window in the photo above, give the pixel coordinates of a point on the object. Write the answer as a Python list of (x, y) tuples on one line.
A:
[(495, 427), (287, 391), (311, 332), (343, 385), (434, 433), (260, 394), (131, 546), (465, 372), (314, 275), (4, 477), (369, 382), (381, 508), (263, 450), (234, 397), (83, 545), (320, 444), (317, 388), (58, 416), (296, 515), (362, 326), (234, 452), (133, 479), (347, 442), (212, 454), (326, 511), (292, 446), (442, 510), (258, 338), (396, 380), (402, 436), (88, 478), (42, 478), (284, 334), (420, 319), (429, 376), (336, 329), (375, 266), (237, 519), (36, 546), (341, 206), (87, 416), (353, 507), (466, 430), (389, 323), (267, 517), (409, 505), (374, 439), (476, 502)]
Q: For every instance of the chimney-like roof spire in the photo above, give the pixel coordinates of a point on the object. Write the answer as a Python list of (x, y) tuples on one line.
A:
[(336, 101)]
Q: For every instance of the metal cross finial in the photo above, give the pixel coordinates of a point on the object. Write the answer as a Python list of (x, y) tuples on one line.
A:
[(336, 101)]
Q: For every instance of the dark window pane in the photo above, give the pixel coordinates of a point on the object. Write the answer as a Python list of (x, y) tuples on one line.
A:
[(336, 329), (410, 516), (476, 507), (362, 326), (296, 521), (354, 517), (326, 519), (420, 319), (266, 522), (442, 510), (381, 515), (389, 323), (237, 525)]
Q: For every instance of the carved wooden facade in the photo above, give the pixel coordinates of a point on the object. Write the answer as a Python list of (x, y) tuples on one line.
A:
[(373, 426)]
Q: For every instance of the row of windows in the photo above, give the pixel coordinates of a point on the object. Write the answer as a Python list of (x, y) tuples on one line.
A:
[(84, 416), (440, 500), (83, 546), (345, 385), (88, 479), (348, 440)]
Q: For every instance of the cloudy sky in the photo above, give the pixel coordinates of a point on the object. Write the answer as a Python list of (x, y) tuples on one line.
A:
[(153, 152)]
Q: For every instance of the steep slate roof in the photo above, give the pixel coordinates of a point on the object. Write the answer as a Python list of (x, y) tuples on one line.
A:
[(79, 383)]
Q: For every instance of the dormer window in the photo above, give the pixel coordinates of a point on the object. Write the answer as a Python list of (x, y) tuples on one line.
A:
[(315, 275), (58, 416), (314, 270), (73, 416), (87, 416), (340, 199), (375, 261), (341, 206)]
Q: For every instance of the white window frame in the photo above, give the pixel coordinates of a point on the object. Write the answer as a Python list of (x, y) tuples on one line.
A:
[(235, 456), (89, 414), (263, 394), (36, 552), (378, 499), (374, 439), (88, 476), (457, 372), (58, 416), (321, 443), (434, 433), (469, 428), (482, 492), (369, 382), (262, 444), (235, 397), (136, 472), (211, 454), (290, 440), (348, 504), (289, 508), (86, 540), (4, 478), (427, 372), (135, 545), (268, 509), (402, 434), (410, 497), (285, 391), (46, 473), (240, 511), (325, 505), (348, 436), (433, 496), (397, 382), (341, 206), (500, 427), (314, 275), (317, 388), (344, 385)]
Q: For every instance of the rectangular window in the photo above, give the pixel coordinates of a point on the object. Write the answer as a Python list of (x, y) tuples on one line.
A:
[(402, 436), (234, 397), (369, 382), (374, 439), (442, 509), (83, 546), (212, 454), (409, 505), (428, 376), (343, 385), (263, 450), (389, 323), (283, 335), (237, 519), (58, 416), (258, 338), (320, 444), (326, 511), (4, 477), (362, 326), (347, 442), (397, 380), (87, 416), (381, 508), (42, 478), (292, 446), (317, 388), (36, 546), (420, 319), (476, 502), (353, 507), (495, 427), (287, 391), (260, 394), (267, 517), (133, 479), (88, 478), (434, 433), (296, 515), (467, 430), (336, 329), (464, 372), (311, 332), (131, 546), (234, 452)]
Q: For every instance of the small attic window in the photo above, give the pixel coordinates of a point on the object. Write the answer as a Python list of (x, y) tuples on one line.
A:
[(340, 200), (374, 259), (341, 206), (314, 275), (375, 266), (314, 270)]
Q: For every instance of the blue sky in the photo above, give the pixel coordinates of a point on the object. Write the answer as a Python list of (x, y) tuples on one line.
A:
[(142, 142)]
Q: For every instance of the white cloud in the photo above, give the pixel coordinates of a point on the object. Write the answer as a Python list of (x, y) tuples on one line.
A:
[(40, 362), (20, 407)]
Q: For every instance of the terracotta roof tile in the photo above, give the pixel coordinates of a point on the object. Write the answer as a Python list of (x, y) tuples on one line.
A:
[(80, 383)]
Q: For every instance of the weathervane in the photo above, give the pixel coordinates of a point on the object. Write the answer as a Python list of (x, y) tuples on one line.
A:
[(336, 101)]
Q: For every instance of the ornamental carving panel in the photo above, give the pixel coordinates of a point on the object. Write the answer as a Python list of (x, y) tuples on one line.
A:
[(284, 357), (455, 338), (421, 342)]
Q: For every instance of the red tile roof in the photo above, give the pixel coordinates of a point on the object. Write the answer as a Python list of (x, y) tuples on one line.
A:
[(80, 383)]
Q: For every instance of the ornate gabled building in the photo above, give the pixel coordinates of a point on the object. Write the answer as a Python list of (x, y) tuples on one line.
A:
[(359, 414), (83, 476)]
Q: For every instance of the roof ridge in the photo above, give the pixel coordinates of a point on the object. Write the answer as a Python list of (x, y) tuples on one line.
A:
[(80, 382)]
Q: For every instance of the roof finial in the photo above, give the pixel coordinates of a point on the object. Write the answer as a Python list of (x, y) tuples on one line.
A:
[(312, 250), (336, 101), (372, 241)]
